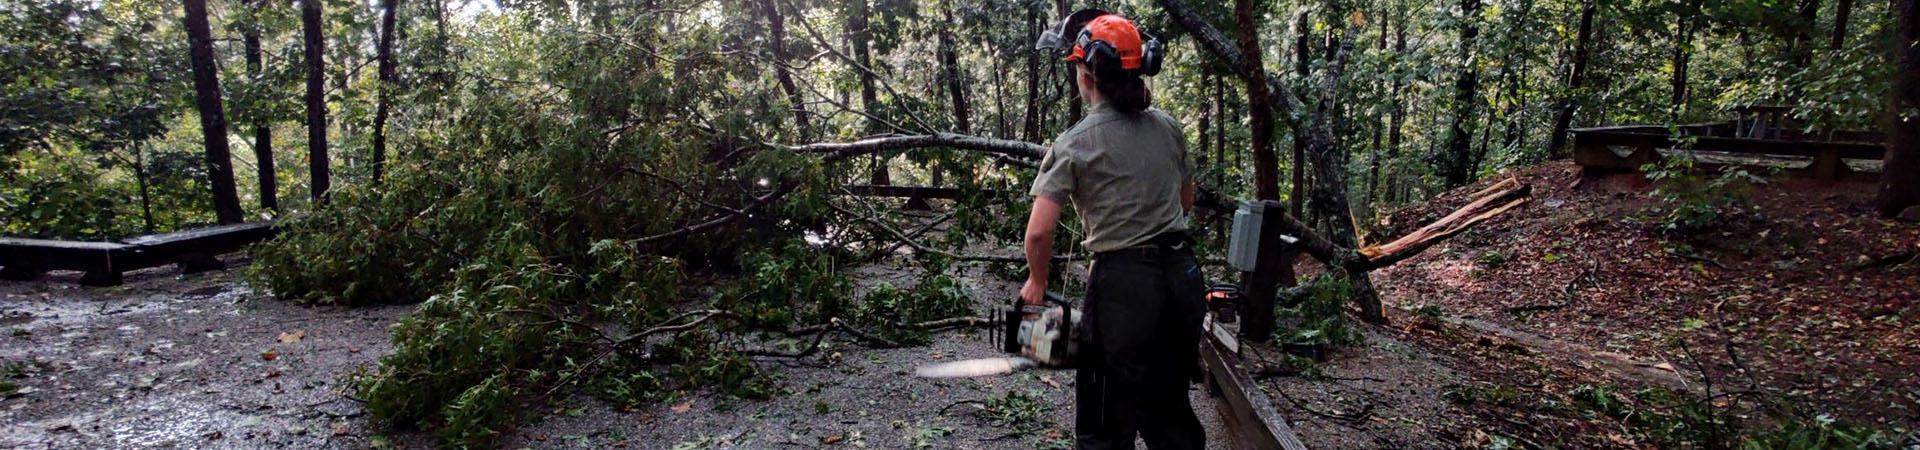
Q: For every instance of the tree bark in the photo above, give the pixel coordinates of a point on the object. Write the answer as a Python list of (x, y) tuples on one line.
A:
[(1900, 177), (1031, 121), (262, 129), (1842, 12), (1457, 163), (1260, 112), (213, 120), (956, 79), (384, 54), (315, 53), (1302, 47), (1576, 76), (777, 32), (1684, 24), (1398, 117)]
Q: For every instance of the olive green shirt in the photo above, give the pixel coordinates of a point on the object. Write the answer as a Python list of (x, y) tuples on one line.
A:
[(1122, 173)]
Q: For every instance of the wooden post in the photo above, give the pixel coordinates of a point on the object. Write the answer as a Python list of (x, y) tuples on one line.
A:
[(1274, 268)]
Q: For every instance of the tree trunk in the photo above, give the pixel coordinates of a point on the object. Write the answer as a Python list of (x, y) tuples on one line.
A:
[(1207, 162), (140, 176), (1684, 24), (1803, 30), (1220, 127), (1302, 47), (384, 55), (316, 98), (213, 120), (1576, 75), (1457, 164), (262, 129), (859, 32), (1398, 116), (1900, 177), (1842, 12), (777, 31), (1379, 133), (1259, 112), (1032, 116), (956, 79)]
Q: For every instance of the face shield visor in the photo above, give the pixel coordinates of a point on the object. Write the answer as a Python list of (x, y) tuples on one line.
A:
[(1059, 39)]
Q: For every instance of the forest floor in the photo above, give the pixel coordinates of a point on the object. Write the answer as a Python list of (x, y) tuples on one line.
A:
[(1575, 322), (204, 361), (1569, 322)]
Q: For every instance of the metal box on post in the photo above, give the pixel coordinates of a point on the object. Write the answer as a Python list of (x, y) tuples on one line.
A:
[(1243, 247)]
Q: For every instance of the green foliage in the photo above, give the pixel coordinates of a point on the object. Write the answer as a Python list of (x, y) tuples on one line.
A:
[(1677, 419), (895, 312), (1321, 314), (1023, 411), (1692, 202)]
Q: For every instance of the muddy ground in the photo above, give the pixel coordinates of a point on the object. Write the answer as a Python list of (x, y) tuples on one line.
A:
[(204, 361)]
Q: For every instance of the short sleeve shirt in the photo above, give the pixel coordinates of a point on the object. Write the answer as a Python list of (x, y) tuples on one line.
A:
[(1122, 173)]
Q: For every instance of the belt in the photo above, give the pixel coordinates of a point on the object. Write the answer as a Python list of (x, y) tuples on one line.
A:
[(1163, 244)]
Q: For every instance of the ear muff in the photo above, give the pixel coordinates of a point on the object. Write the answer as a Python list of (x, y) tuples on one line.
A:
[(1102, 57), (1105, 59), (1152, 55)]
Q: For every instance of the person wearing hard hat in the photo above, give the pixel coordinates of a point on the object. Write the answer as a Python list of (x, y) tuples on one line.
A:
[(1124, 168)]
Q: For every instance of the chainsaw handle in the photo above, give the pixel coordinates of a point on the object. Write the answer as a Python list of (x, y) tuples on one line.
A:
[(1051, 297)]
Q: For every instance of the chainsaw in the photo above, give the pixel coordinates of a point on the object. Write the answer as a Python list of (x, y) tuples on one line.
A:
[(1044, 336)]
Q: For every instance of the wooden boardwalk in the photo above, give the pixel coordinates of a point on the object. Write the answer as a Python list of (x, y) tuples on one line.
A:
[(194, 250)]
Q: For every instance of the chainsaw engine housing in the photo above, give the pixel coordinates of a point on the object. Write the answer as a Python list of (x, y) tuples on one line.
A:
[(1049, 335)]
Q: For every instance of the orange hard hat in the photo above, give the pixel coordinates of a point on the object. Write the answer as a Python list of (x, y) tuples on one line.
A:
[(1106, 41), (1114, 31)]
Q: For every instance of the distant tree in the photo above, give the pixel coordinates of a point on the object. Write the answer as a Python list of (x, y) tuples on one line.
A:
[(1266, 166), (859, 31), (1576, 78), (316, 51), (1900, 177), (262, 128), (1457, 161), (383, 55), (777, 33), (213, 120)]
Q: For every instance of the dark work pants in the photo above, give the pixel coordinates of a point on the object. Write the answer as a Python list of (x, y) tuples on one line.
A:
[(1143, 323)]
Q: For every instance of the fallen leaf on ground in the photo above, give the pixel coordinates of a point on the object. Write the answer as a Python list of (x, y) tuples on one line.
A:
[(339, 429), (683, 406), (269, 355), (292, 336), (834, 439)]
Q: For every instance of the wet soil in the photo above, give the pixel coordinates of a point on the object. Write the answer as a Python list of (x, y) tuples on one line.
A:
[(204, 361)]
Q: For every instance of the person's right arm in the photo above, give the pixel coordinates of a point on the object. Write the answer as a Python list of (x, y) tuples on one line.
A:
[(1041, 224)]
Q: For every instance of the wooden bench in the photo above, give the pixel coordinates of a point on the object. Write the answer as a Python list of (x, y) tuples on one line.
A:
[(194, 250), (1594, 148)]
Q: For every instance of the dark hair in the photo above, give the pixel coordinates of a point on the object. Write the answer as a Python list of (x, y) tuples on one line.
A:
[(1125, 90)]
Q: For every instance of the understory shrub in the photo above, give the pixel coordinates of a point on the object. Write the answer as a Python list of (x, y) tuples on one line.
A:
[(1693, 202)]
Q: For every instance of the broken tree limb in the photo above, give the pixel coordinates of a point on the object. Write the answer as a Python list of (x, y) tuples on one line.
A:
[(834, 151), (1493, 201)]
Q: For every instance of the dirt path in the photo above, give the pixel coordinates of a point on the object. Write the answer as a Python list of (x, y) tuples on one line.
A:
[(204, 361)]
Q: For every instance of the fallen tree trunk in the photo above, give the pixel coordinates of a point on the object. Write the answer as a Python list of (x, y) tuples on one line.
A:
[(1490, 202)]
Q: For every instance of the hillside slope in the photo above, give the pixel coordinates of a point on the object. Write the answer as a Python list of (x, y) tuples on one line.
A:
[(1803, 297)]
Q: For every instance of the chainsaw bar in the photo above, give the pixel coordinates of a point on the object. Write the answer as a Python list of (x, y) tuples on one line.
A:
[(976, 367)]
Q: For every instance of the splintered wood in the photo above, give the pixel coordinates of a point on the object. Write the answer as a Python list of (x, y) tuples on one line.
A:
[(1491, 202)]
